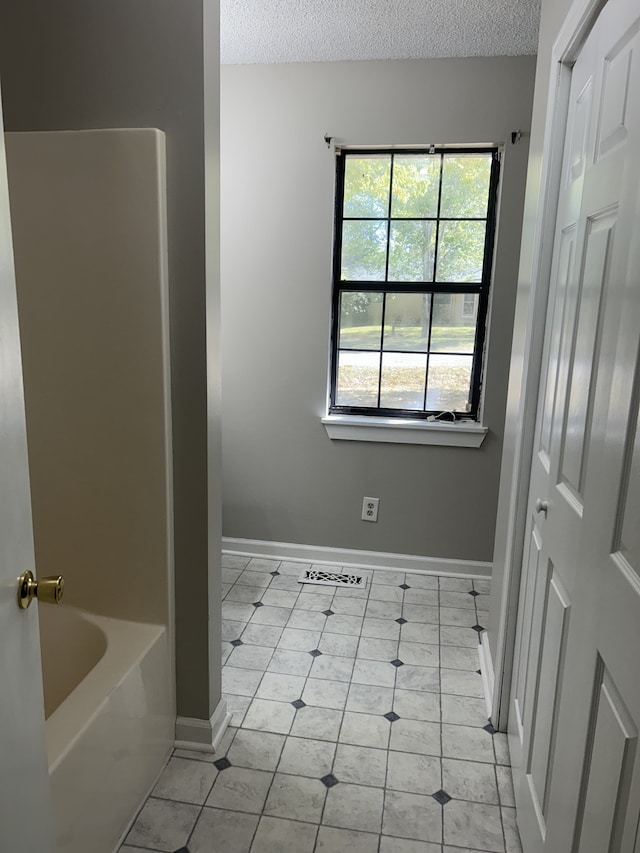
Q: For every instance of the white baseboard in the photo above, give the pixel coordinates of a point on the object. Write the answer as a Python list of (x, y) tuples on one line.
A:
[(353, 559), (486, 670), (202, 735)]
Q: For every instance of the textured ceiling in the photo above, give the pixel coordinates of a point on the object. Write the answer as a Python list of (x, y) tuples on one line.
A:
[(265, 31)]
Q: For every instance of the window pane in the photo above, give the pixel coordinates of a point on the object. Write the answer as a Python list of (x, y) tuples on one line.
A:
[(412, 251), (465, 185), (364, 251), (449, 382), (360, 320), (460, 251), (403, 380), (406, 321), (366, 186), (415, 185), (454, 330), (358, 378)]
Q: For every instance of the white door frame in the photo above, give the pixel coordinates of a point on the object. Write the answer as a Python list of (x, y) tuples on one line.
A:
[(572, 35)]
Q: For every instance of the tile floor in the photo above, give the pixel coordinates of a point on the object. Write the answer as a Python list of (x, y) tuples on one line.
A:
[(358, 725)]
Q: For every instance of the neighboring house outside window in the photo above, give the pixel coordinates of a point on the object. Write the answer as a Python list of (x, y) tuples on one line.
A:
[(413, 247)]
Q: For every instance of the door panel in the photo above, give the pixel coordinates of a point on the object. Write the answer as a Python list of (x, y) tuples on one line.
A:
[(25, 821), (576, 695)]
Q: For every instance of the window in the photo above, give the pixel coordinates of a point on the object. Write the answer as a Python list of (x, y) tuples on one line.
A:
[(413, 246)]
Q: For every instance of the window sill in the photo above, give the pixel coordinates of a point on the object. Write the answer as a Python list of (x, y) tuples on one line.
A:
[(351, 428)]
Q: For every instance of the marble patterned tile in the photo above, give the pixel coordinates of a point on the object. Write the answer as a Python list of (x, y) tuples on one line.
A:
[(231, 629), (380, 629), (234, 561), (309, 620), (263, 564), (482, 586), (280, 598), (360, 765), (416, 705), (296, 798), (281, 688), (277, 835), (404, 845), (457, 600), (185, 781), (236, 611), (452, 584), (315, 601), (240, 682), (416, 736), (356, 807), (344, 645), (511, 834), (240, 789), (501, 745), (474, 825), (365, 730), (319, 723), (293, 568), (332, 667), (411, 677), (420, 632), (237, 706), (254, 578), (463, 710), (307, 757), (268, 716), (220, 829), (470, 780), (323, 693), (412, 816), (458, 617), (467, 742), (383, 609), (351, 625), (413, 773), (286, 662), (348, 607), (332, 840), (429, 597), (451, 635), (244, 594), (385, 592), (226, 650), (256, 750), (369, 699), (284, 581), (505, 786), (421, 613), (267, 615), (250, 657), (296, 640), (460, 682), (388, 576), (261, 635), (163, 825), (373, 672), (419, 654), (370, 648)]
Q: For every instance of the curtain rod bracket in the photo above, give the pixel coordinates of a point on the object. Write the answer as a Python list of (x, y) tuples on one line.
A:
[(516, 136), (328, 139)]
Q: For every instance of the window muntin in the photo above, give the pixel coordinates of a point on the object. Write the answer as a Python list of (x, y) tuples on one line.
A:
[(412, 265)]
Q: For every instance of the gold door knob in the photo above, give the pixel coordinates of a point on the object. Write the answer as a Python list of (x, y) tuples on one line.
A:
[(48, 590)]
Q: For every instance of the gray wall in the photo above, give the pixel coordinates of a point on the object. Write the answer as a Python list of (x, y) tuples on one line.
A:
[(514, 483), (283, 478), (116, 63)]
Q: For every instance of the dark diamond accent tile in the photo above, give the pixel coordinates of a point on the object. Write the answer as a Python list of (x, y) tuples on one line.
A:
[(329, 780), (258, 604), (328, 613), (404, 586), (401, 621), (477, 628), (441, 797), (315, 653), (237, 643), (391, 716), (474, 593), (298, 703), (182, 850), (478, 672), (222, 763), (275, 574), (489, 728), (397, 662)]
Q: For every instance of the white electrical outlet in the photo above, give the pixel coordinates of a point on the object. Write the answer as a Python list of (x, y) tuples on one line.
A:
[(370, 509)]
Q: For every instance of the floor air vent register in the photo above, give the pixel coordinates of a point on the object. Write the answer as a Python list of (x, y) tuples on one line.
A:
[(327, 578)]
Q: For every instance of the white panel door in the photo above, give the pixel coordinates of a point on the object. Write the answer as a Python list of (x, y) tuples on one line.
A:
[(25, 821), (575, 710)]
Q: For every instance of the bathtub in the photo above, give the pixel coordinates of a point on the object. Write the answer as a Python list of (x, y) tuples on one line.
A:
[(109, 721)]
